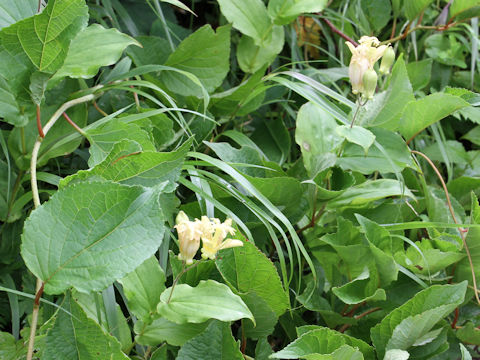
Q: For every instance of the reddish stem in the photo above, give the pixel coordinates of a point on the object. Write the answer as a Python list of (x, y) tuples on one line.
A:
[(70, 121), (455, 319), (336, 31), (38, 295), (39, 123)]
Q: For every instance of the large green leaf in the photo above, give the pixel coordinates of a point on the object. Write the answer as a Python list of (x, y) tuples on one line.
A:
[(248, 270), (285, 11), (250, 17), (253, 57), (161, 330), (317, 137), (93, 48), (90, 234), (363, 288), (406, 324), (205, 54), (215, 343), (45, 38), (143, 288), (12, 11), (386, 108), (426, 111), (74, 336), (208, 300), (323, 341), (462, 9)]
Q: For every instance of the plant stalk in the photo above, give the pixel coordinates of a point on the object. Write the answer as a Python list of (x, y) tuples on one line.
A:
[(36, 203)]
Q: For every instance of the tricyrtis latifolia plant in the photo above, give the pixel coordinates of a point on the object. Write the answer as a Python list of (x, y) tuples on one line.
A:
[(331, 218)]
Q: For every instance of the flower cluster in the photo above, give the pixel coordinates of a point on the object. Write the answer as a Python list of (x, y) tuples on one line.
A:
[(362, 75), (212, 233)]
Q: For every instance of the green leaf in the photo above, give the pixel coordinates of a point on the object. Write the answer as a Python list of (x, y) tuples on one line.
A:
[(103, 138), (464, 9), (127, 164), (406, 324), (364, 287), (369, 191), (12, 11), (143, 288), (208, 300), (426, 111), (396, 355), (253, 57), (93, 48), (265, 317), (9, 348), (205, 54), (357, 135), (446, 50), (317, 138), (248, 270), (322, 341), (161, 330), (419, 73), (414, 8), (469, 334), (386, 108), (215, 343), (38, 86), (285, 11), (465, 354), (10, 110), (90, 234), (250, 17), (378, 13), (45, 38), (179, 4), (74, 336)]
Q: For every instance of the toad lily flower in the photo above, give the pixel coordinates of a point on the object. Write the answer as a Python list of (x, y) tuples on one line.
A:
[(189, 234), (364, 56), (213, 237)]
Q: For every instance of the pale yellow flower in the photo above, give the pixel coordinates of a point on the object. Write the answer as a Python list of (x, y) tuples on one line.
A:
[(189, 235), (214, 239), (364, 56)]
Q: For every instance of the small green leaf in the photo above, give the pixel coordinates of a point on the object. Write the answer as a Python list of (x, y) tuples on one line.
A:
[(206, 55), (250, 17), (93, 48), (208, 300), (285, 11), (143, 288), (161, 330), (252, 57), (248, 270), (316, 136), (369, 191), (406, 324), (322, 341), (90, 234), (465, 354), (426, 111), (179, 4), (357, 135), (215, 343), (362, 288)]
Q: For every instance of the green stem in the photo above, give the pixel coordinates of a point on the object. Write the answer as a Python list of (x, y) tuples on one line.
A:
[(184, 270)]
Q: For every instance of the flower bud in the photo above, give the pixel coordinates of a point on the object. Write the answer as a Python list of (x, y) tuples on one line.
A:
[(387, 61), (369, 83), (188, 237)]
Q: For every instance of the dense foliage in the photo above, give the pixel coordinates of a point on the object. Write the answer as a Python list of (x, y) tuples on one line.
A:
[(239, 179)]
